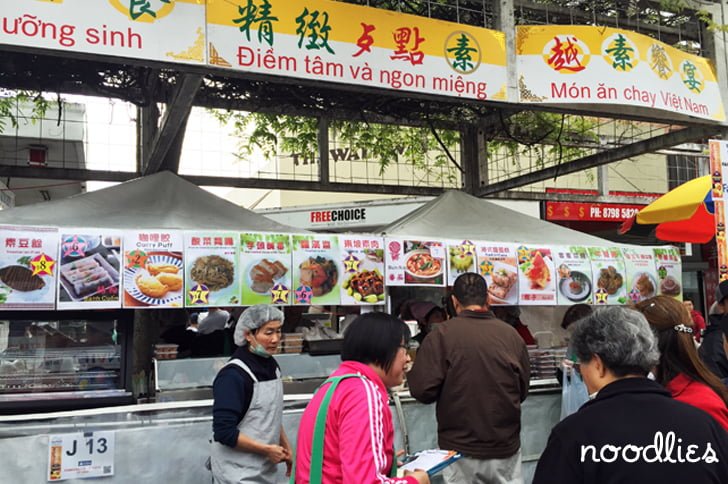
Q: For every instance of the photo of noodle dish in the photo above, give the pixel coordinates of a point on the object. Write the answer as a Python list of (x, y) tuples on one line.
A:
[(159, 283), (420, 264)]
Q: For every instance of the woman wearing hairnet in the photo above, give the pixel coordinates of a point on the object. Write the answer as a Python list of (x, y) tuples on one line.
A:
[(247, 414)]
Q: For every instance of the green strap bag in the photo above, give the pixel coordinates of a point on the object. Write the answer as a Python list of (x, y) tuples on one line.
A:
[(317, 447)]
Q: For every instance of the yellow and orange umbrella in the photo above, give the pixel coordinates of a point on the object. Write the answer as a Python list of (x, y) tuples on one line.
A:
[(684, 214)]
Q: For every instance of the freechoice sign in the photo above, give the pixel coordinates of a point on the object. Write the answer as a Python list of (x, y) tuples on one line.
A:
[(341, 215), (590, 212)]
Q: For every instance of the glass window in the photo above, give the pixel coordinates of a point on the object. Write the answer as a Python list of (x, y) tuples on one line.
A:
[(58, 355)]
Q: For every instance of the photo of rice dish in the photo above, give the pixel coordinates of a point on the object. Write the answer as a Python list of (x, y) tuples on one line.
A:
[(213, 271)]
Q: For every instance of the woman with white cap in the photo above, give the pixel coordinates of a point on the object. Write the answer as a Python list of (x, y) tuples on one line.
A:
[(247, 414)]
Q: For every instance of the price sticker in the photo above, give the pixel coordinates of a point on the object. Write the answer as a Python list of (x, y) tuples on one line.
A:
[(80, 455)]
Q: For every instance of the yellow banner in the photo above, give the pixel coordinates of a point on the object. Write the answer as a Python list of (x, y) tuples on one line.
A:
[(600, 65), (339, 42)]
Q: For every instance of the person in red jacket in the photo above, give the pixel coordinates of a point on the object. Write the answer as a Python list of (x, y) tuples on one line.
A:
[(698, 320), (680, 369)]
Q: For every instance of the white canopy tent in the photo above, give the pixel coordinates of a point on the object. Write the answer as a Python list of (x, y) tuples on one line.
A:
[(457, 215), (160, 201)]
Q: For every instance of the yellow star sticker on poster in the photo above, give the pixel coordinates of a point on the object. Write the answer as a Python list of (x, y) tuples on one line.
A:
[(523, 254), (42, 265), (351, 263), (467, 247), (198, 294), (601, 295), (279, 294)]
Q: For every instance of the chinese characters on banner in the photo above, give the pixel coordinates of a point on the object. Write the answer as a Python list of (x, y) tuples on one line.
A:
[(719, 187), (498, 264), (89, 269), (537, 280), (160, 30), (414, 262), (211, 269), (28, 267), (317, 272), (573, 275), (600, 65), (362, 259), (153, 273), (265, 264), (608, 275), (461, 258), (669, 271), (337, 42), (641, 273)]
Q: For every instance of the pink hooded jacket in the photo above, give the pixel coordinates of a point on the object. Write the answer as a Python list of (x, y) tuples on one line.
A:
[(359, 438)]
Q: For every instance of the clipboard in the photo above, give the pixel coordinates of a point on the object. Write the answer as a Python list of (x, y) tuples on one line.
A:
[(431, 460)]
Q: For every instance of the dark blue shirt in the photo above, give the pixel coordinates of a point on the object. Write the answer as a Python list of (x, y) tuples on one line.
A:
[(232, 391)]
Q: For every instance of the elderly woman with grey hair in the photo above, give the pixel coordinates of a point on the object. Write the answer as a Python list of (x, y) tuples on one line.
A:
[(631, 430), (247, 413)]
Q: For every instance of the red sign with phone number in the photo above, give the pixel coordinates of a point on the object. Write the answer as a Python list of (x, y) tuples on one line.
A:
[(591, 212)]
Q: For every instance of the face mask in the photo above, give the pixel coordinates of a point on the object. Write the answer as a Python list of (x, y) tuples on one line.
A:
[(259, 350)]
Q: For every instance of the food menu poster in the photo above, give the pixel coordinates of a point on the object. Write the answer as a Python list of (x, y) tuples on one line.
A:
[(536, 276), (669, 270), (609, 274), (89, 269), (498, 264), (641, 273), (265, 269), (28, 267), (574, 283), (211, 269), (317, 272), (461, 258), (719, 188), (153, 269), (362, 261), (415, 262)]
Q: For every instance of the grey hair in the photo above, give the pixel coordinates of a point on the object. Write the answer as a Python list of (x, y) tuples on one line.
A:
[(621, 337), (253, 318)]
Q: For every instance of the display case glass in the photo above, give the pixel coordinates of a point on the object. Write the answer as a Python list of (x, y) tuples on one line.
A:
[(56, 355)]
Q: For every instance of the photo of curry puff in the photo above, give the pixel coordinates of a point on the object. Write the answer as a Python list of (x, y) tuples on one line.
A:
[(172, 281), (155, 269), (151, 286)]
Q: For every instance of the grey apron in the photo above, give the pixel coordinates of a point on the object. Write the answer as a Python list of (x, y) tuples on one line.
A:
[(262, 422)]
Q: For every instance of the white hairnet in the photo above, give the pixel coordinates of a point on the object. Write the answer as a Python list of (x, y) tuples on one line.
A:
[(253, 318)]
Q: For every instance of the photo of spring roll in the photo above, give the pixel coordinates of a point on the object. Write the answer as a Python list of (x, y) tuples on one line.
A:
[(90, 276)]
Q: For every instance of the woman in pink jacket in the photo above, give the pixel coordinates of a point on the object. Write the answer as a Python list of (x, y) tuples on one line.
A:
[(357, 428)]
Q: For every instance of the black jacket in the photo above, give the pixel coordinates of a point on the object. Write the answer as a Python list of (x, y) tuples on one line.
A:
[(627, 413), (711, 350)]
